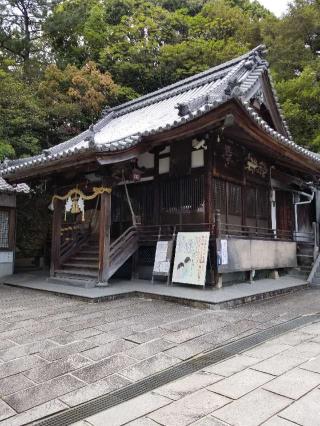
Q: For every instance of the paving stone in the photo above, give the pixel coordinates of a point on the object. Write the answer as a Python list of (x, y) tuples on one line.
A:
[(278, 421), (189, 409), (149, 366), (5, 411), (146, 350), (104, 368), (145, 336), (185, 334), (293, 338), (4, 344), (35, 413), (312, 328), (240, 383), (209, 421), (18, 365), (267, 350), (306, 350), (85, 333), (232, 365), (20, 351), (29, 337), (101, 339), (305, 411), (109, 349), (278, 364), (13, 384), (12, 334), (253, 409), (189, 349), (230, 331), (294, 383), (128, 411), (94, 390), (187, 385), (181, 324), (57, 368), (53, 354), (143, 421), (36, 395)]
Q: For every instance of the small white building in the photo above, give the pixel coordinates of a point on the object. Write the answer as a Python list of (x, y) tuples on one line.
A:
[(8, 224)]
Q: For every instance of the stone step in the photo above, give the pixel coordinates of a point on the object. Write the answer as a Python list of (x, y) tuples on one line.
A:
[(76, 282)]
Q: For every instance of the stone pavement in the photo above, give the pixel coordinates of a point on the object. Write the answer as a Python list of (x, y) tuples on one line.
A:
[(57, 352), (274, 384), (228, 295)]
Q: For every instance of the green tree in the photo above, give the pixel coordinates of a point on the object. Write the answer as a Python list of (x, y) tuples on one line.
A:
[(293, 41), (21, 118), (73, 98), (21, 36), (300, 101)]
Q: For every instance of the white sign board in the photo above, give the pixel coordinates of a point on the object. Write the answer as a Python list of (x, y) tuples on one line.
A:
[(224, 252), (190, 261), (6, 257), (163, 258)]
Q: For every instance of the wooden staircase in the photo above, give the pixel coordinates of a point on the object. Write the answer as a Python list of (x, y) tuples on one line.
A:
[(82, 266)]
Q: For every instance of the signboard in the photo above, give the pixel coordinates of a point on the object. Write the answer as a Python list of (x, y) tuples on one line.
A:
[(162, 259), (6, 256), (190, 261), (224, 252)]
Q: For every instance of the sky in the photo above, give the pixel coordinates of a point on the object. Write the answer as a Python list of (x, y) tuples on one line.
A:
[(276, 6)]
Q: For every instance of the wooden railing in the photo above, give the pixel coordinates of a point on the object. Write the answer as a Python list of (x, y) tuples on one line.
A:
[(122, 248), (72, 238), (153, 233)]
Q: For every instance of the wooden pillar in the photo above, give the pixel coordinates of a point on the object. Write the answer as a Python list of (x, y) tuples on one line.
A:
[(156, 186), (104, 237), (217, 275), (56, 236), (208, 184)]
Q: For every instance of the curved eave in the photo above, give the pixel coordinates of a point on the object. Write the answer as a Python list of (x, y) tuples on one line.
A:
[(204, 118)]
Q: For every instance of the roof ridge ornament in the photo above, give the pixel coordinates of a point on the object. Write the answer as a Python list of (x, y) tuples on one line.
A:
[(90, 138)]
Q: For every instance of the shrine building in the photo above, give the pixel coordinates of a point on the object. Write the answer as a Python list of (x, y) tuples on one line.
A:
[(211, 153)]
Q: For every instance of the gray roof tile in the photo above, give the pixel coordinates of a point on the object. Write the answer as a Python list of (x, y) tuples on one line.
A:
[(124, 126)]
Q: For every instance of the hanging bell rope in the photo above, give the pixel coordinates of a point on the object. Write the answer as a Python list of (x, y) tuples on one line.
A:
[(134, 221)]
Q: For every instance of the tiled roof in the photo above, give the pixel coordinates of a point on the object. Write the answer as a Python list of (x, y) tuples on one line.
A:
[(5, 187), (124, 126)]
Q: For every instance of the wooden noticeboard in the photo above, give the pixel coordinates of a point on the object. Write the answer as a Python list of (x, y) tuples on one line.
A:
[(191, 256), (162, 261)]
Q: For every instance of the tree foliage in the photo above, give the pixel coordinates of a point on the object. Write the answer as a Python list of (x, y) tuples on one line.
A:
[(62, 61)]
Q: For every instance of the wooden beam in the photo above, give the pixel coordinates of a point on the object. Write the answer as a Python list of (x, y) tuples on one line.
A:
[(56, 236), (104, 237)]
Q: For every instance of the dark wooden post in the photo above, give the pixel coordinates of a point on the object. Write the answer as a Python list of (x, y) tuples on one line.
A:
[(208, 187), (56, 235), (104, 237), (156, 211), (217, 275)]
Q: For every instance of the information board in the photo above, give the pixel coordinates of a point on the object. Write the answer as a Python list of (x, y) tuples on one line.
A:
[(162, 259), (190, 260)]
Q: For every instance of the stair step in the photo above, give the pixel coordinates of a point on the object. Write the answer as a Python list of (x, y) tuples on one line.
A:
[(88, 283), (74, 273), (80, 265), (81, 258)]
